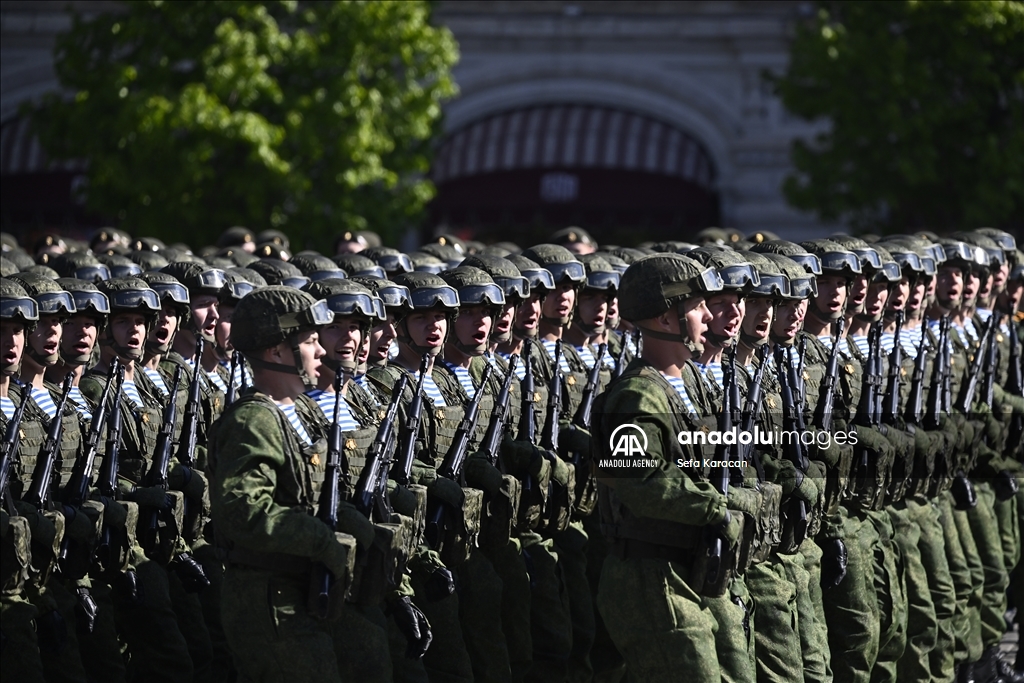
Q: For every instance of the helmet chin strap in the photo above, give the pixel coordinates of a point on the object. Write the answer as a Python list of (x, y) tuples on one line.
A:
[(474, 350), (74, 361), (404, 338), (124, 351), (295, 369)]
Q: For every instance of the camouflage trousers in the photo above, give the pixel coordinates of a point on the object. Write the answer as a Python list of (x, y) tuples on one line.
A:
[(890, 598), (777, 636), (922, 624), (571, 546), (659, 624), (550, 624), (932, 547), (734, 637), (966, 574), (984, 526)]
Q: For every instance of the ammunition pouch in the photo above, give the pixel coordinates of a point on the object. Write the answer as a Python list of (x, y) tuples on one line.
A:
[(728, 564), (533, 499), (382, 565), (463, 534), (765, 529), (500, 513), (559, 504), (170, 523), (15, 555), (80, 550), (585, 487)]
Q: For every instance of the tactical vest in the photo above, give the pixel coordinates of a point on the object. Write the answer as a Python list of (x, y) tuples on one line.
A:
[(34, 426), (868, 488), (140, 426)]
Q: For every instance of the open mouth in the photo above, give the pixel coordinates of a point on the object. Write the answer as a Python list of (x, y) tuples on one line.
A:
[(434, 340), (761, 328)]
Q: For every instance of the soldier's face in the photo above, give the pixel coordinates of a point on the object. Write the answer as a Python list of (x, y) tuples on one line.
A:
[(12, 346), (915, 298), (128, 330), (972, 285), (381, 337), (205, 315), (593, 307), (341, 339), (166, 326), (613, 309), (1009, 298), (899, 294), (874, 302), (789, 319), (949, 285), (473, 325), (832, 291), (528, 313), (427, 328), (222, 333), (1000, 277), (985, 285), (696, 317), (79, 335), (858, 292), (558, 304), (310, 352), (757, 318), (45, 339), (727, 311), (504, 322)]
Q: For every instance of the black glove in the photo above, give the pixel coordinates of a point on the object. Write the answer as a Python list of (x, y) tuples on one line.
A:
[(51, 631), (1005, 485), (440, 585), (86, 609), (964, 496), (190, 572), (414, 626), (833, 563), (128, 583)]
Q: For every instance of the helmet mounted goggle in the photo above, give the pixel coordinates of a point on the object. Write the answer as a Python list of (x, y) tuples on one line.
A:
[(317, 315), (603, 280), (133, 299), (126, 270), (296, 281), (539, 279), (774, 286), (336, 274), (371, 271), (810, 262), (172, 293), (356, 303), (573, 271), (707, 282), (96, 272), (56, 303), (803, 287), (97, 301), (212, 279), (20, 307), (889, 272), (840, 262), (487, 295), (234, 291), (740, 276), (514, 287), (869, 258), (397, 296), (430, 297), (394, 263)]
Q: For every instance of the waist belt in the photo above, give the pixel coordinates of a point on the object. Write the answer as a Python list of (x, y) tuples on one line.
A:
[(630, 549), (281, 563)]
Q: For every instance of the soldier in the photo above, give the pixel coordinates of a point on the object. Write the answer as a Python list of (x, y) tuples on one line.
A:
[(657, 515), (268, 464), (237, 283)]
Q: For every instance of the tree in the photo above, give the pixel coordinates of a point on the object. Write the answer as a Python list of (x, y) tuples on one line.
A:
[(313, 117), (925, 109)]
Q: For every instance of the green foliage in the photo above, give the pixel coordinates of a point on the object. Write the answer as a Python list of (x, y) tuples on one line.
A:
[(311, 117), (925, 102)]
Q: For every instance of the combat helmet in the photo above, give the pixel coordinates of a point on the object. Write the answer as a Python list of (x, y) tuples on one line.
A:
[(272, 315), (391, 260), (16, 306), (350, 299), (90, 302), (427, 291), (601, 277), (81, 265), (738, 275), (356, 265), (52, 301), (278, 272), (130, 295), (810, 262), (174, 297), (317, 267), (659, 283), (427, 263), (475, 288), (120, 265), (540, 279), (564, 267)]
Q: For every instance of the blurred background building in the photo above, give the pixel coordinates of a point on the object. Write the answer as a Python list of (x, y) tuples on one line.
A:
[(635, 120)]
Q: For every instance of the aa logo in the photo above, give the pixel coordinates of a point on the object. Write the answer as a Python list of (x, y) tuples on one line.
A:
[(628, 440)]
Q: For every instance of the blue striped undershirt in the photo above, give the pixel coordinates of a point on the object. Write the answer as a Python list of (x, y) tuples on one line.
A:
[(462, 374), (296, 423), (430, 390), (78, 401), (132, 392), (7, 405), (680, 387), (520, 366), (325, 400), (158, 380), (45, 402), (563, 364)]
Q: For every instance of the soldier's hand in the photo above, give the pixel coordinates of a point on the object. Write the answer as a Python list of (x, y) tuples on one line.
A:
[(447, 491), (559, 469), (1005, 485), (77, 525), (796, 483), (518, 456), (403, 501), (189, 481), (481, 474), (115, 515), (336, 556), (964, 497), (190, 572), (833, 562), (39, 525), (152, 496), (730, 528), (744, 500), (573, 439), (86, 608), (355, 523), (440, 584), (51, 631), (414, 626)]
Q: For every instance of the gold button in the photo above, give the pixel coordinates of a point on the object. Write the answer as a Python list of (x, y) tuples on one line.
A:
[(350, 444), (570, 380), (382, 414), (439, 414), (807, 376), (999, 338), (849, 368), (315, 460), (145, 418)]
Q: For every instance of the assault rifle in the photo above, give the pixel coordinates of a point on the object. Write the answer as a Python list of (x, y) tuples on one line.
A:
[(327, 508), (454, 460), (891, 401), (499, 416), (158, 470), (186, 453), (965, 399), (77, 489), (752, 410), (232, 394), (720, 477), (373, 478), (107, 481), (620, 360), (991, 360), (582, 417), (936, 400), (867, 415), (401, 471), (12, 438), (827, 395), (527, 418), (793, 449), (549, 437), (915, 400), (1015, 383), (42, 476)]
